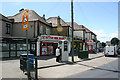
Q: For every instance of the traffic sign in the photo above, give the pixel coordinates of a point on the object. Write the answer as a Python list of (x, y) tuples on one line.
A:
[(25, 20)]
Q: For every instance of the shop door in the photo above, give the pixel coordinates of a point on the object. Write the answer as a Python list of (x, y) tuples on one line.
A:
[(76, 47), (33, 48), (55, 45)]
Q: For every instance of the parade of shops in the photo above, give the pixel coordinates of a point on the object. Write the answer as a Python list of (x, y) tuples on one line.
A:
[(43, 36)]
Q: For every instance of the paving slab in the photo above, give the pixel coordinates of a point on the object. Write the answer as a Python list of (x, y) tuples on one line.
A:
[(10, 68)]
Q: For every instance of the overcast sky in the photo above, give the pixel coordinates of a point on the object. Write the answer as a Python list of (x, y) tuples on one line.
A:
[(99, 17)]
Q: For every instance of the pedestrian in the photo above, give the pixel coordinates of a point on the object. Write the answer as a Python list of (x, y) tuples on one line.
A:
[(57, 54), (60, 55)]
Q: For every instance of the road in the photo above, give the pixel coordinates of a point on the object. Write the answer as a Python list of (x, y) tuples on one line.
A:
[(109, 70), (71, 70)]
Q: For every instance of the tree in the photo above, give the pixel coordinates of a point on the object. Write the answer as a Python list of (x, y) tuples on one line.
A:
[(114, 41), (103, 44), (98, 41)]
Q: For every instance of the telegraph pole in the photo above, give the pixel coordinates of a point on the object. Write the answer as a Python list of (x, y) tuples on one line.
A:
[(72, 30)]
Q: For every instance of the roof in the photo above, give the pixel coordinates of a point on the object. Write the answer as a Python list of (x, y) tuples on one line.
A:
[(76, 26), (33, 16), (54, 21), (80, 27), (2, 17)]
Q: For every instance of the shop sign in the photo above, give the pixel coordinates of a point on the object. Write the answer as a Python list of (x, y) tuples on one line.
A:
[(89, 42), (53, 38)]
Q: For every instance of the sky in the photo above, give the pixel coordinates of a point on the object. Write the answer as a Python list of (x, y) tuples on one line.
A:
[(99, 17)]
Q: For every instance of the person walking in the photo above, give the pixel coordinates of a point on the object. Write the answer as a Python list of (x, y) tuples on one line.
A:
[(57, 54)]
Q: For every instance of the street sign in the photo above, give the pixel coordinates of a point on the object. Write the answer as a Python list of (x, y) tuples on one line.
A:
[(25, 20)]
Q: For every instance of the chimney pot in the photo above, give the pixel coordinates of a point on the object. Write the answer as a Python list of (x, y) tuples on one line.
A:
[(44, 16)]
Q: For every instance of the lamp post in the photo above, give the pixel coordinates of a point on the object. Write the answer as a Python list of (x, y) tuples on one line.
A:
[(72, 30)]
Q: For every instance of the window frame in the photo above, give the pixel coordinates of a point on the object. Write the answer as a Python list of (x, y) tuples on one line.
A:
[(8, 28)]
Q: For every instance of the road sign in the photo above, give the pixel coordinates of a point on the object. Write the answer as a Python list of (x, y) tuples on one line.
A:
[(25, 20)]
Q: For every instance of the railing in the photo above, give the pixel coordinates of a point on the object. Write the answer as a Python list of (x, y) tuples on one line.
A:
[(32, 67)]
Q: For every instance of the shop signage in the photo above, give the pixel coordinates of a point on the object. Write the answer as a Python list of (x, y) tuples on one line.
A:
[(51, 37), (89, 42), (55, 38)]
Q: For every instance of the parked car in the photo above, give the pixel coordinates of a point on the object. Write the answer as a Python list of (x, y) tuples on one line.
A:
[(110, 50), (118, 50)]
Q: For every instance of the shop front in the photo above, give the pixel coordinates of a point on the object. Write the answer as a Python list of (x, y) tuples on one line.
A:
[(78, 46), (90, 45), (14, 47), (47, 45)]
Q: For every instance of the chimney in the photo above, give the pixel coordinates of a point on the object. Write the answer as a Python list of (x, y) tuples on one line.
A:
[(21, 10), (82, 26), (58, 21), (44, 16)]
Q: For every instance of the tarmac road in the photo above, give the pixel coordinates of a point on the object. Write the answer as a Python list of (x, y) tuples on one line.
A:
[(109, 70)]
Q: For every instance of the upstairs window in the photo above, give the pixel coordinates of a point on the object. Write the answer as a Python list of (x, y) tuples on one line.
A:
[(47, 31), (41, 29), (8, 28)]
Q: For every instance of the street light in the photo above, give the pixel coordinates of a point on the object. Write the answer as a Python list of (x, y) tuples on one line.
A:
[(72, 30)]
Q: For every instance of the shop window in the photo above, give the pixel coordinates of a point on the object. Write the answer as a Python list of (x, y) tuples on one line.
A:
[(80, 46), (5, 49), (50, 49), (13, 46), (44, 44), (33, 46), (13, 53), (8, 28), (47, 49), (5, 46), (21, 52), (23, 47), (5, 54), (0, 46), (60, 42)]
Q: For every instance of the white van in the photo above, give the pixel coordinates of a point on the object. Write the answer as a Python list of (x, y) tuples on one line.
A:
[(111, 50)]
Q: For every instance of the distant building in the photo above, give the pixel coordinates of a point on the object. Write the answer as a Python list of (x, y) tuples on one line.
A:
[(87, 37), (108, 43)]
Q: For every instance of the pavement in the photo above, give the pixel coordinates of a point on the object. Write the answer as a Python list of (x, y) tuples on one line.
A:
[(49, 68), (50, 61)]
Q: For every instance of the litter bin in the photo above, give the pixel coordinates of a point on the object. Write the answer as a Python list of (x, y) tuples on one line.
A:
[(83, 54), (23, 61), (31, 60)]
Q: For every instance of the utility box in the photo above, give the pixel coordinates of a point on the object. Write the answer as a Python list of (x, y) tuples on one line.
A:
[(23, 61), (65, 49), (83, 54)]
